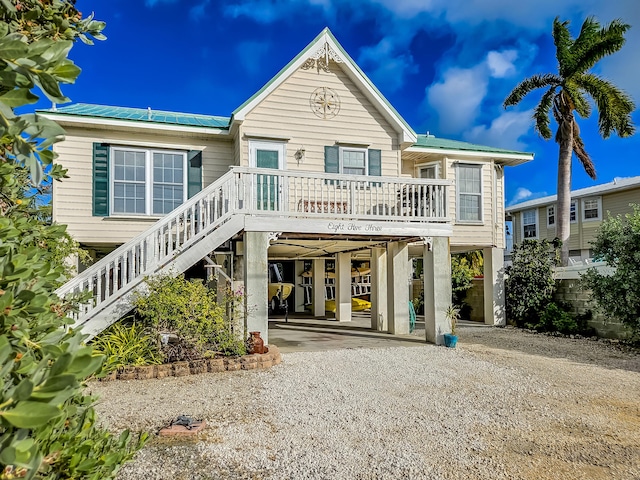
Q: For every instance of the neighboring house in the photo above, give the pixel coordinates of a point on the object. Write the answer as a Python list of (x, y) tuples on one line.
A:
[(316, 167), (536, 219)]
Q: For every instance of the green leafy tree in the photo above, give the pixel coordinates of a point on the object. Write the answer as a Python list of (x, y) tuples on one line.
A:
[(566, 95), (618, 294), (47, 425), (529, 283)]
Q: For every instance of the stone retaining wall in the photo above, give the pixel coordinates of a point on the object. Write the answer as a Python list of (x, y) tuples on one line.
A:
[(179, 369), (581, 300)]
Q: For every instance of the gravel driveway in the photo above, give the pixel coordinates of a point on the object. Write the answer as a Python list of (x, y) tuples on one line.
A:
[(504, 404)]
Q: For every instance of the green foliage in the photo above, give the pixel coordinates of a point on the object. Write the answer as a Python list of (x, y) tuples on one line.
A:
[(124, 344), (452, 314), (47, 425), (188, 309), (530, 284), (618, 294)]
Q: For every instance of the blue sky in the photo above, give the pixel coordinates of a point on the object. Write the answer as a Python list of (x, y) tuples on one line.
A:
[(446, 65)]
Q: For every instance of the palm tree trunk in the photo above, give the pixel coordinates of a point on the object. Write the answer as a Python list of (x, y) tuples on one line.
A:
[(563, 207)]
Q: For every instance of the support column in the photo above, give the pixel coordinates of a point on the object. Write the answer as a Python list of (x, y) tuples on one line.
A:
[(494, 313), (299, 289), (437, 289), (318, 277), (379, 315), (397, 287), (256, 281), (343, 287)]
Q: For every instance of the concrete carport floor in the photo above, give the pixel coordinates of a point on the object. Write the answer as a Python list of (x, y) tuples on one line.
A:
[(304, 333)]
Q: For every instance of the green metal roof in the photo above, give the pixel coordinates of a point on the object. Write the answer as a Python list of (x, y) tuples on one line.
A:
[(141, 115), (429, 141)]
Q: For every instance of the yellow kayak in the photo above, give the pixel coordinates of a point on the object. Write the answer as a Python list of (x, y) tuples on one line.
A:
[(357, 305)]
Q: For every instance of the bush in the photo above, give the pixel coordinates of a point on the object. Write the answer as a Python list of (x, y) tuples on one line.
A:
[(555, 319), (124, 345), (47, 425), (529, 283), (618, 244), (189, 310)]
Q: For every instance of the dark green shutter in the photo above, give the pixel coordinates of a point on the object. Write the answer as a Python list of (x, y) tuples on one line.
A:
[(375, 163), (194, 174), (332, 159), (100, 180)]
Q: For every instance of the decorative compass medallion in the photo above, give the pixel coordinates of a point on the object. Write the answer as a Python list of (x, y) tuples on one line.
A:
[(324, 102)]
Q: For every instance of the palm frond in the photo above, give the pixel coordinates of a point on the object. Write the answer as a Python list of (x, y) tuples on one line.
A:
[(563, 42), (579, 101), (607, 41), (589, 35), (541, 113), (614, 105), (581, 153), (529, 84)]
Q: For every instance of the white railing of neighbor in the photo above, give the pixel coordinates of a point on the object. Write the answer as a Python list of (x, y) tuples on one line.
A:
[(252, 191)]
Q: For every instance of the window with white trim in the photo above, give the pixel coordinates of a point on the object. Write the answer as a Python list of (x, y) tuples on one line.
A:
[(592, 209), (431, 171), (573, 217), (147, 182), (469, 190), (353, 161), (530, 224), (551, 215)]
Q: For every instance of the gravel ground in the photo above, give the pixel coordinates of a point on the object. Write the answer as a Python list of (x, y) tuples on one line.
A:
[(504, 404)]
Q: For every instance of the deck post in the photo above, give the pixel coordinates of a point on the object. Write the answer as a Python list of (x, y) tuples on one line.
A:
[(437, 289), (379, 315), (256, 281), (318, 280), (343, 287), (494, 286), (397, 287)]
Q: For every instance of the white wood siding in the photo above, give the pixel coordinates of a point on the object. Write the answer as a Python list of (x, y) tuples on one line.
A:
[(73, 197), (472, 235), (287, 113)]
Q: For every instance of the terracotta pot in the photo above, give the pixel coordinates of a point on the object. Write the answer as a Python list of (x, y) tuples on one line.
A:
[(255, 343)]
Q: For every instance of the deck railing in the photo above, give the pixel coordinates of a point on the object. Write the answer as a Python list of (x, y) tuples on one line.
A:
[(252, 191), (305, 194)]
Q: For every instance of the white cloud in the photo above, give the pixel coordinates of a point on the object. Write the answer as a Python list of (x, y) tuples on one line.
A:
[(501, 63), (197, 11), (505, 131), (523, 194), (386, 66), (457, 97)]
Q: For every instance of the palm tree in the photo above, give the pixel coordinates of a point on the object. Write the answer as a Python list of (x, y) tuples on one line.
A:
[(567, 94)]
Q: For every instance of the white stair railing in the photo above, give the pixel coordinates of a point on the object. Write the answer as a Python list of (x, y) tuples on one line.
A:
[(117, 273)]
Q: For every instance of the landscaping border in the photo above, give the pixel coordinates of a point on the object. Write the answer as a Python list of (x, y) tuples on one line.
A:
[(194, 367)]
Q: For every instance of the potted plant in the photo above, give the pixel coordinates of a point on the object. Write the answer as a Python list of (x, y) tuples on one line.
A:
[(452, 314)]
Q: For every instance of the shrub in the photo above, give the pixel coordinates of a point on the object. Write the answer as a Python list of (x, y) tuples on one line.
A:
[(47, 425), (124, 344), (529, 283), (189, 310), (555, 319), (618, 244)]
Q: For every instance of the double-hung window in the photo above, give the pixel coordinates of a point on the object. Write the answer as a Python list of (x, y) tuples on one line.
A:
[(573, 217), (469, 188), (147, 182), (551, 215), (591, 209), (530, 224), (354, 161), (429, 171)]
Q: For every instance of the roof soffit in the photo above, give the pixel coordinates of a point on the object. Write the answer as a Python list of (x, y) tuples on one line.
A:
[(323, 49)]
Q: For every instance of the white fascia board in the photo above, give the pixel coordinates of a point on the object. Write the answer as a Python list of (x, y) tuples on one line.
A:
[(110, 122), (519, 158)]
